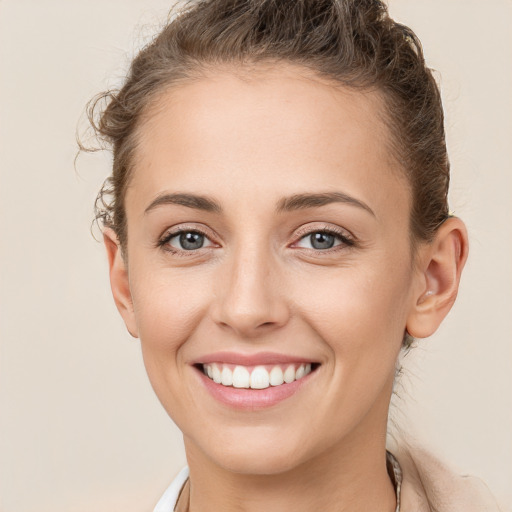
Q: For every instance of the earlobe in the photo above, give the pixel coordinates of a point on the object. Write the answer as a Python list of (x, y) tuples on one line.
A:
[(119, 281), (440, 272)]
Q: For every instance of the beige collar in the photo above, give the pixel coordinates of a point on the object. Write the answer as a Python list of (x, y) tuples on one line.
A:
[(428, 484)]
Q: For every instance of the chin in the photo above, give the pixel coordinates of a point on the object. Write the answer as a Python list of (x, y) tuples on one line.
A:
[(255, 451)]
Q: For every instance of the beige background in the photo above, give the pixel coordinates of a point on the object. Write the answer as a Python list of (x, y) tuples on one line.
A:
[(80, 429)]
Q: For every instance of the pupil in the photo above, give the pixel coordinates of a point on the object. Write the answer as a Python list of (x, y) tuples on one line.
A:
[(191, 240), (322, 240)]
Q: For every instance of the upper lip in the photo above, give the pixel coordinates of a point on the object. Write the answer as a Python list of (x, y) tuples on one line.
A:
[(259, 358)]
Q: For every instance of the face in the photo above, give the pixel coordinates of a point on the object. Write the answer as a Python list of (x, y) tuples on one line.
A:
[(268, 229)]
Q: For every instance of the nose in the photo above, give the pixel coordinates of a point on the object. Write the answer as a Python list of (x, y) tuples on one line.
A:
[(250, 299)]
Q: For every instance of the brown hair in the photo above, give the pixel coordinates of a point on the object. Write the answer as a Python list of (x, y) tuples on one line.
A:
[(353, 43)]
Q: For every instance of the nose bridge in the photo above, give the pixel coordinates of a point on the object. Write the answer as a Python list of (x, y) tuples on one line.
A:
[(250, 301)]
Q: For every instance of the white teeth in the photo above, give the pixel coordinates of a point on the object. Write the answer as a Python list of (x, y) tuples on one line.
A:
[(276, 376), (259, 378), (289, 374), (241, 377), (216, 374), (227, 376)]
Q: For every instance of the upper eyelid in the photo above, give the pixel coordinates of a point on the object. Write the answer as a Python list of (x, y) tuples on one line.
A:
[(177, 230), (335, 230)]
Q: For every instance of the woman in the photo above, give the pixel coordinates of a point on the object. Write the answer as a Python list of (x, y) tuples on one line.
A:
[(277, 231)]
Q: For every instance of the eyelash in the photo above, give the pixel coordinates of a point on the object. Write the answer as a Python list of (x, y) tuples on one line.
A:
[(346, 241), (167, 237)]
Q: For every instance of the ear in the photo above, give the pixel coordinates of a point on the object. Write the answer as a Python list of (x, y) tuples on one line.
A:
[(440, 267), (119, 281)]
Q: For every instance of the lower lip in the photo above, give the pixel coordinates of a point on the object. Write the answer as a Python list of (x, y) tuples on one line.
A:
[(250, 399)]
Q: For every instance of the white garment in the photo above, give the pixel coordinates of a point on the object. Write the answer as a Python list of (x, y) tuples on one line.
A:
[(168, 501)]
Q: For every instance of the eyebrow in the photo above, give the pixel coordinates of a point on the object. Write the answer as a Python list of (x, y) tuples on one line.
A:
[(286, 204), (189, 200), (303, 201)]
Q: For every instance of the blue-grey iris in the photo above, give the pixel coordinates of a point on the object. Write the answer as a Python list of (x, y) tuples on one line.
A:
[(191, 240), (322, 240)]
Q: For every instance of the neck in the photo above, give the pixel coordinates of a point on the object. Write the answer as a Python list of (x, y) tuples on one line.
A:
[(349, 477)]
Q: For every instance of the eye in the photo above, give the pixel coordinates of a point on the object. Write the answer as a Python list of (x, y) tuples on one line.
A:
[(186, 240), (324, 239)]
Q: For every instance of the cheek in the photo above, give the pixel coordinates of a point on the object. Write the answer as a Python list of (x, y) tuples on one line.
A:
[(370, 300), (166, 306), (360, 316), (168, 309)]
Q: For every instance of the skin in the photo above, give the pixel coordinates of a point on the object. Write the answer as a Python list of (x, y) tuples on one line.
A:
[(258, 284)]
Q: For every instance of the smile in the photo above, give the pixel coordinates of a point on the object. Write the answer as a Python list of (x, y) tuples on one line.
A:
[(254, 381), (255, 377)]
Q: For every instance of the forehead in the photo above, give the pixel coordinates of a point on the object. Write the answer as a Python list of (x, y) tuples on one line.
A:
[(270, 130)]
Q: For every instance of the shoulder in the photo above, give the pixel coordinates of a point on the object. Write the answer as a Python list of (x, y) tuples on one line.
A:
[(428, 483)]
